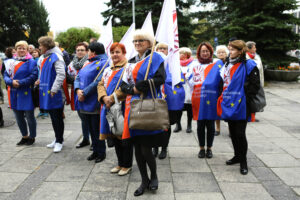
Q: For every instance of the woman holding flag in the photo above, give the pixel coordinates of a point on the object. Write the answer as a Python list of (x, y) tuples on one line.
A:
[(232, 104), (20, 75), (112, 77), (85, 87), (134, 85), (79, 60), (204, 80), (175, 100)]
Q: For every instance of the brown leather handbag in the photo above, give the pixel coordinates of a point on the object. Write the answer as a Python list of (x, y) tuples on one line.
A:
[(149, 114)]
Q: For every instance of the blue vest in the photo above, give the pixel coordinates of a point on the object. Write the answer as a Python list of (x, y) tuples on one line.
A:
[(86, 76), (47, 78), (174, 98), (21, 98)]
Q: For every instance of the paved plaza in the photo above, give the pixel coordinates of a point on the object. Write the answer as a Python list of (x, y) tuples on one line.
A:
[(36, 173)]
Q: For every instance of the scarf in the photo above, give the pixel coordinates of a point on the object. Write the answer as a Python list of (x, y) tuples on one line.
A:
[(77, 64), (251, 55), (21, 58), (205, 61), (234, 60), (120, 64), (186, 62)]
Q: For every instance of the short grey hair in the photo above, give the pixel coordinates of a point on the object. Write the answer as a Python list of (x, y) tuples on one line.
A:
[(141, 34), (250, 44), (222, 47), (185, 50), (31, 45)]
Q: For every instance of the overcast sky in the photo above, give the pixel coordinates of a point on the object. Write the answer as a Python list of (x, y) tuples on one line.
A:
[(64, 14)]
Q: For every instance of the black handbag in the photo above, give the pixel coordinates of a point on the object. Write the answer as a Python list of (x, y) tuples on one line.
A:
[(35, 93)]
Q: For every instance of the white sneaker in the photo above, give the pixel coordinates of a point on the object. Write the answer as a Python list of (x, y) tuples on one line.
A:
[(52, 144), (57, 147)]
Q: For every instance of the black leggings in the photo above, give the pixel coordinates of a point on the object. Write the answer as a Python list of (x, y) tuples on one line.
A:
[(210, 126), (189, 110), (237, 130), (144, 157)]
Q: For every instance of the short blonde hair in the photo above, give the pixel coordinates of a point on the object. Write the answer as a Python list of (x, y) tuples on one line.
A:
[(21, 43), (140, 34), (222, 47), (185, 50), (161, 45), (47, 42)]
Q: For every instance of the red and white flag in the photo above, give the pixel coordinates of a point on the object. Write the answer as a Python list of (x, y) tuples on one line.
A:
[(127, 41), (106, 37), (167, 32), (147, 26)]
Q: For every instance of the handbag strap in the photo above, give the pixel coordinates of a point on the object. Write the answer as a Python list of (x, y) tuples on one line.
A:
[(150, 60)]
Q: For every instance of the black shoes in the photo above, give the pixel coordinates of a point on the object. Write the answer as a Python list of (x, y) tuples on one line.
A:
[(141, 189), (233, 161), (83, 143), (189, 129), (153, 185), (163, 153), (1, 123), (244, 168), (30, 141), (22, 141), (100, 158), (209, 153), (155, 151), (177, 128), (93, 156), (217, 133), (201, 153)]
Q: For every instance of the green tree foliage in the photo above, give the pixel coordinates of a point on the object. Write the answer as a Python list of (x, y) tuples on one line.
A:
[(69, 39), (267, 22), (203, 32), (17, 17), (122, 12), (119, 32)]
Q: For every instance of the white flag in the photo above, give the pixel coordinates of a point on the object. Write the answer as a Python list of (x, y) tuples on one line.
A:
[(127, 41), (106, 37), (167, 32), (147, 26)]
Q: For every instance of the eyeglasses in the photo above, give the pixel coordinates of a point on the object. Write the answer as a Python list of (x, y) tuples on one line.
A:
[(138, 41), (80, 50)]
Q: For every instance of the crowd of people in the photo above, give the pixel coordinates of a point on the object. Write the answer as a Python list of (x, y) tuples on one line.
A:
[(210, 90)]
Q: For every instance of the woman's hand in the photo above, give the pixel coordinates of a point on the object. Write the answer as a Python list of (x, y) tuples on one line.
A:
[(107, 101), (15, 84), (80, 95), (37, 82), (136, 91)]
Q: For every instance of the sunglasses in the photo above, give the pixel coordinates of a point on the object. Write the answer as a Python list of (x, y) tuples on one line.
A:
[(138, 41)]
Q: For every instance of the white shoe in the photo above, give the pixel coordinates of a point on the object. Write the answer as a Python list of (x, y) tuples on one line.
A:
[(57, 147), (52, 144)]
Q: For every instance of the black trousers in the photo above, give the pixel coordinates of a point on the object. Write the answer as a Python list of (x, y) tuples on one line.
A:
[(210, 126), (189, 110), (237, 130), (124, 153), (56, 116)]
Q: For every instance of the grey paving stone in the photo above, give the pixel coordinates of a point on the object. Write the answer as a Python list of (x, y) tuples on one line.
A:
[(70, 173), (290, 176), (189, 165), (254, 162), (270, 130), (6, 156), (219, 147), (295, 152), (34, 152), (277, 188), (57, 190), (21, 165), (264, 147), (25, 190), (297, 190), (278, 160), (163, 173), (249, 191), (264, 174), (199, 196), (11, 147), (4, 196), (165, 191), (10, 181), (189, 140), (219, 158), (106, 182), (183, 152), (101, 196), (194, 182), (232, 174)]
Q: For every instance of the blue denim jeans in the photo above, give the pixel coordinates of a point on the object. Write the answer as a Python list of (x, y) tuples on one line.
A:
[(84, 126), (29, 115)]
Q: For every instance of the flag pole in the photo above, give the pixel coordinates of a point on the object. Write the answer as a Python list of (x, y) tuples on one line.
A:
[(133, 11)]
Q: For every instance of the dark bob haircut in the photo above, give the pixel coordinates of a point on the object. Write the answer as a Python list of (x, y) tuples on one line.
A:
[(97, 47)]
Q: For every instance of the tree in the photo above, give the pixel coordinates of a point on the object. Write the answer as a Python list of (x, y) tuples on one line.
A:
[(20, 17), (267, 22), (122, 12), (70, 38), (119, 32)]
